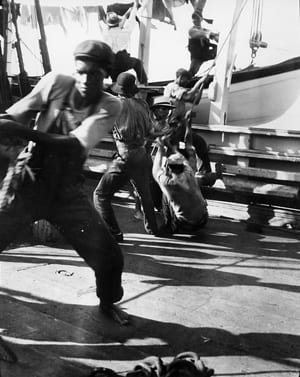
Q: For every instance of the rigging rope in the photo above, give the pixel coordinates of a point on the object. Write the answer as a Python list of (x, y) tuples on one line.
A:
[(255, 41), (227, 37), (219, 50)]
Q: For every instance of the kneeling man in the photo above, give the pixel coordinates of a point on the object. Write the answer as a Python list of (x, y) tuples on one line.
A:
[(184, 207)]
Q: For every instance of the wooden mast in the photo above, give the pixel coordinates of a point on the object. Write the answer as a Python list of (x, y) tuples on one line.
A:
[(5, 92), (42, 40), (24, 84), (144, 40)]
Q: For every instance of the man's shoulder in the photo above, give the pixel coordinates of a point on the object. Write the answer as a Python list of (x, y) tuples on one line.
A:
[(140, 102), (110, 98), (171, 85), (58, 84), (59, 79), (110, 101)]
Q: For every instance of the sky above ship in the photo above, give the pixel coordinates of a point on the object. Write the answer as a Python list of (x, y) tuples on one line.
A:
[(168, 47)]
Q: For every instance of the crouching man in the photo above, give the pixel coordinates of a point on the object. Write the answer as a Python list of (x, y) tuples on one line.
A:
[(73, 114), (184, 208)]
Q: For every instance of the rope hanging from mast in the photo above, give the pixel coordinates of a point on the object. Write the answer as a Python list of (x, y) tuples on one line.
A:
[(255, 41)]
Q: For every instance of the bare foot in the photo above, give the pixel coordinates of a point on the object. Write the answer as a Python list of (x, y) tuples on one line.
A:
[(138, 215), (114, 313)]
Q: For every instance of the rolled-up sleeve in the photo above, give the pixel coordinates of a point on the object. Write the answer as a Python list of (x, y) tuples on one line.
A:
[(51, 88), (97, 126)]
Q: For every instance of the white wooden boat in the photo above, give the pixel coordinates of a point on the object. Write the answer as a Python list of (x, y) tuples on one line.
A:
[(258, 95)]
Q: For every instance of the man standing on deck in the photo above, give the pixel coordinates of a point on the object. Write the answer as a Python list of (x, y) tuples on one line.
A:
[(75, 106), (133, 163)]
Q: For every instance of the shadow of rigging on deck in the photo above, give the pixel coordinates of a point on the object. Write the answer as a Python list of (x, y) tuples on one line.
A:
[(188, 264), (35, 327)]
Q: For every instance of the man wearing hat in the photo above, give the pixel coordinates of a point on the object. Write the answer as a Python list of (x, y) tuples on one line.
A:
[(161, 110), (117, 31), (184, 208), (74, 109), (133, 163)]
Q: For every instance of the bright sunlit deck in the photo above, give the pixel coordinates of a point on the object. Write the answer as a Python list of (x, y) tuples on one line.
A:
[(230, 295)]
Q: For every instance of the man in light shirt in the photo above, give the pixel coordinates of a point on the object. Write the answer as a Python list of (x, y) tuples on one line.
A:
[(184, 207), (73, 114)]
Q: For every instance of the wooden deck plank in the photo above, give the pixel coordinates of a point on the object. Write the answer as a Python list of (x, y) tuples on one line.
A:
[(253, 153), (262, 173), (230, 295)]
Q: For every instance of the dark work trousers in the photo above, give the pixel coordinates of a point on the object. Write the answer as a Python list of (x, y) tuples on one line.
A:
[(134, 166), (124, 62), (201, 50), (57, 196), (175, 225)]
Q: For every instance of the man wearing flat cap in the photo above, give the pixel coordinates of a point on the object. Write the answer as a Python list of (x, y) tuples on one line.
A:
[(132, 163), (75, 110), (161, 110)]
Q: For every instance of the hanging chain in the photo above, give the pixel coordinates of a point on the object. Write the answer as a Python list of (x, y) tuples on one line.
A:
[(253, 54)]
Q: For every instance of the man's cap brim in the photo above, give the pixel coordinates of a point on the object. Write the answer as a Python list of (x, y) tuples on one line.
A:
[(167, 105)]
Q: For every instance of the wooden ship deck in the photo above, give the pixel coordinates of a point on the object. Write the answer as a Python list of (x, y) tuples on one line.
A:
[(228, 294)]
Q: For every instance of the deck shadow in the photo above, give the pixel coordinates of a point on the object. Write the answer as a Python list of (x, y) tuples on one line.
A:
[(72, 332)]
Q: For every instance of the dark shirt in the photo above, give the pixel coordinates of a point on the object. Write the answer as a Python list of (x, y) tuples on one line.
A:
[(134, 123), (199, 144)]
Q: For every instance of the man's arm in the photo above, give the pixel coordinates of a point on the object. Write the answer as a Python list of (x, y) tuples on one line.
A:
[(99, 125), (197, 85), (197, 33), (190, 94), (10, 129), (144, 4), (158, 160), (128, 20), (50, 88)]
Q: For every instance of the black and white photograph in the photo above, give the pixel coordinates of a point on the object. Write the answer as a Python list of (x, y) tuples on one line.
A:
[(149, 188)]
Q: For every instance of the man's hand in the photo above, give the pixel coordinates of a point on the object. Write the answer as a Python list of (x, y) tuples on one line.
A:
[(6, 116), (165, 140), (10, 144), (188, 115), (10, 150), (214, 36)]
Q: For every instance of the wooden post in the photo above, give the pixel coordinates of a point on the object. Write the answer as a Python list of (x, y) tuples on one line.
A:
[(223, 70), (5, 92), (42, 40), (24, 83), (144, 40)]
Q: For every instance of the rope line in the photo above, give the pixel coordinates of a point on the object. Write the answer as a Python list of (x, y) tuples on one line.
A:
[(208, 70)]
